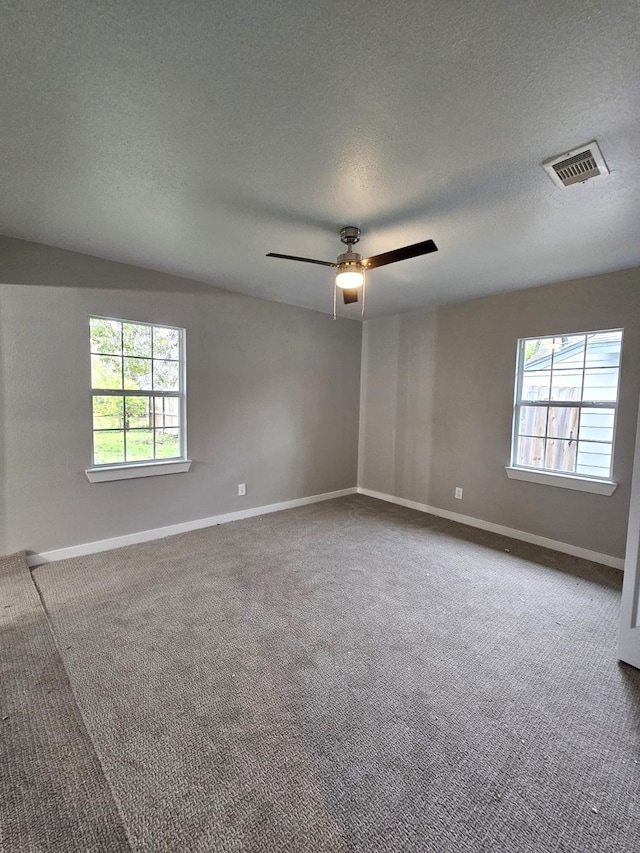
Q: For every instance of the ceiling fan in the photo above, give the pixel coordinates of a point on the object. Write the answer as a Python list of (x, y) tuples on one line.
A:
[(351, 266)]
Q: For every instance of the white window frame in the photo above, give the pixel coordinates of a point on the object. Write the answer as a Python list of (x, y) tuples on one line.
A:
[(551, 477), (153, 467)]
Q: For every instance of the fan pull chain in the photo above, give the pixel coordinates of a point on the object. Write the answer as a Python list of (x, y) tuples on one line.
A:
[(335, 288), (364, 290)]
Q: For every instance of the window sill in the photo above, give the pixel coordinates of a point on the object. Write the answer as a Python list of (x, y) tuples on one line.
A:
[(144, 469), (562, 481)]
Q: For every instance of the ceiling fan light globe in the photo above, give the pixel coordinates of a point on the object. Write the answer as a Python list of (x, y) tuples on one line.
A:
[(349, 279)]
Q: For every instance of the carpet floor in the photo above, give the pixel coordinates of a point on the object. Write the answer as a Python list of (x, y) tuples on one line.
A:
[(347, 676), (53, 793)]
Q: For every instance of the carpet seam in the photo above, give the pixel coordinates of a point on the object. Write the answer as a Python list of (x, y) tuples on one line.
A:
[(114, 798)]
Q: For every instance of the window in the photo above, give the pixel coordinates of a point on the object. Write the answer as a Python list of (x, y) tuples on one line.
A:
[(137, 395), (565, 406)]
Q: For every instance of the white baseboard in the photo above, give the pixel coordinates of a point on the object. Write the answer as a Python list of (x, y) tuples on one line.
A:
[(563, 547), (170, 530), (198, 524)]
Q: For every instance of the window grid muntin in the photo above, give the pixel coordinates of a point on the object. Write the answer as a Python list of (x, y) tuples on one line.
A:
[(581, 405), (137, 392)]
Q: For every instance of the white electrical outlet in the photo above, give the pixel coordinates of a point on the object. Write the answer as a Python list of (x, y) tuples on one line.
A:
[(458, 493), (242, 489)]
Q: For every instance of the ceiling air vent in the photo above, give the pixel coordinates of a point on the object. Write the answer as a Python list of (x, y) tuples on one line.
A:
[(577, 166)]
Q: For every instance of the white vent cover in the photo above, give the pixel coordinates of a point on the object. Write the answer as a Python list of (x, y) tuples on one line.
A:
[(577, 166)]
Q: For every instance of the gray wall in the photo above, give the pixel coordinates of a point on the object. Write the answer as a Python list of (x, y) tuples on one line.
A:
[(396, 425), (437, 398), (273, 399)]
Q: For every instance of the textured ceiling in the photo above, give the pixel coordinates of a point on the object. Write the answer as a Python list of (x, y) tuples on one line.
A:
[(194, 137)]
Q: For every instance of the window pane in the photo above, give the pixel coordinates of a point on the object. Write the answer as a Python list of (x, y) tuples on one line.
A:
[(171, 411), (594, 459), (108, 413), (533, 420), (563, 422), (167, 443), (603, 349), (137, 339), (596, 425), (586, 471), (108, 447), (566, 385), (530, 452), (568, 352), (139, 445), (537, 349), (166, 343), (561, 455), (106, 371), (166, 411), (106, 336), (535, 384), (137, 412), (166, 375), (601, 384), (137, 373)]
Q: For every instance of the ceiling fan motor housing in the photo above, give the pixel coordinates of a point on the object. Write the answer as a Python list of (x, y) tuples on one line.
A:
[(349, 234), (350, 259), (350, 262)]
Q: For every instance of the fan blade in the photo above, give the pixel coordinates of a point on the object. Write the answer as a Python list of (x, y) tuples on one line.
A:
[(403, 254), (350, 295), (304, 260)]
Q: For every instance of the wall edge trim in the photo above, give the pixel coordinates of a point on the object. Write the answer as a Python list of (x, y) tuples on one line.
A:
[(37, 559), (522, 535)]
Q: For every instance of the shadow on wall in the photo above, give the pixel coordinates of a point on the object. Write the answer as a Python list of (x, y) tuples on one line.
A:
[(22, 262)]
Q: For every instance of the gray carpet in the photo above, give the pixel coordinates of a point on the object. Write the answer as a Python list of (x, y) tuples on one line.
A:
[(53, 793), (353, 676)]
